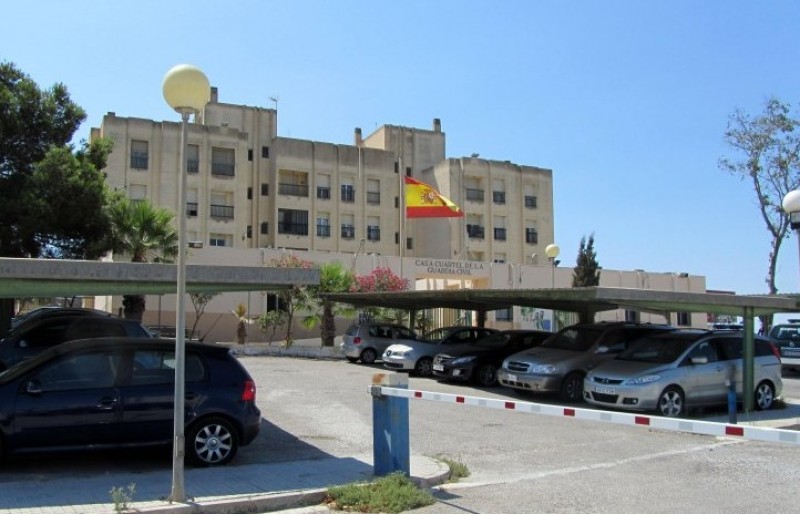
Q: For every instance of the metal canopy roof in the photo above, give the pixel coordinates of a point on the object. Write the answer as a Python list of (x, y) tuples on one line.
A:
[(50, 277), (579, 299)]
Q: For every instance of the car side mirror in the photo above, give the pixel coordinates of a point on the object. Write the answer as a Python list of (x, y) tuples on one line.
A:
[(33, 387)]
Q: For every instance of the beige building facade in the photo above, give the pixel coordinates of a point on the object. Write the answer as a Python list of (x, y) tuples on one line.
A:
[(252, 195)]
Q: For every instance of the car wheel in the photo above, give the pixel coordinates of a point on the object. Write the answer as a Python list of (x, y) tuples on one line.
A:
[(765, 396), (368, 356), (352, 359), (486, 375), (211, 442), (424, 367), (572, 388), (671, 403)]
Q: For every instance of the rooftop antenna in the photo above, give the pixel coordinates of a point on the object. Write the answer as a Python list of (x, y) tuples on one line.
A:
[(274, 100)]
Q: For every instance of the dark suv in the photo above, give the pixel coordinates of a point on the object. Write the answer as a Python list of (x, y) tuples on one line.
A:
[(36, 335), (786, 336), (119, 392)]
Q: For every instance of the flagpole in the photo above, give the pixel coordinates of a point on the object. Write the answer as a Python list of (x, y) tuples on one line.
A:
[(402, 184)]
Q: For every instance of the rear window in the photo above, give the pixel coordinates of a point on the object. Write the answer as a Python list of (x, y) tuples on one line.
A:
[(158, 367), (785, 332)]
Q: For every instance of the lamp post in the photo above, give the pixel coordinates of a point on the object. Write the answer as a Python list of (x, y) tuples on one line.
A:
[(791, 205), (552, 252), (187, 90)]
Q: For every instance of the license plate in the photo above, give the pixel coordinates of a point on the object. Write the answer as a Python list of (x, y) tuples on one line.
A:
[(605, 390), (438, 367), (791, 353), (511, 378)]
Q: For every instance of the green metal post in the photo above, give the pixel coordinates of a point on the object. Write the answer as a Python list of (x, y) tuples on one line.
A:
[(749, 357)]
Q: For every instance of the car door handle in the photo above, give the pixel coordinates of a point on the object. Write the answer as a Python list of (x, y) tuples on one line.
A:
[(107, 403)]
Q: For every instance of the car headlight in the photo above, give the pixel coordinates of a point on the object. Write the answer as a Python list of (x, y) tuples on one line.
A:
[(647, 379), (544, 369), (462, 360), (399, 353)]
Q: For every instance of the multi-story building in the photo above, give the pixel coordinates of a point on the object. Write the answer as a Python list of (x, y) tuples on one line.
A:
[(251, 193), (249, 188)]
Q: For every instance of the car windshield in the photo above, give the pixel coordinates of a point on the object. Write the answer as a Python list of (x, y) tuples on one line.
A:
[(496, 340), (576, 339), (785, 332), (661, 350), (437, 334)]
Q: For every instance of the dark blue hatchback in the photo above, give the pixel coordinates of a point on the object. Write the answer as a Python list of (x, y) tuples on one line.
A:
[(119, 392)]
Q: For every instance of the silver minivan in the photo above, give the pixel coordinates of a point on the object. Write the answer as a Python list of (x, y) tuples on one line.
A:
[(668, 373), (561, 362), (367, 341)]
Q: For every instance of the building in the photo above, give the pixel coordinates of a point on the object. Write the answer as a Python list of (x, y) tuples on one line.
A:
[(251, 193)]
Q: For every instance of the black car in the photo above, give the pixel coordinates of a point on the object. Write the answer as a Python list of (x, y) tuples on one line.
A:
[(119, 392), (31, 337), (45, 312), (480, 361)]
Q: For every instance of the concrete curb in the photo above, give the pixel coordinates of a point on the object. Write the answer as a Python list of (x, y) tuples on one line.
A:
[(306, 349)]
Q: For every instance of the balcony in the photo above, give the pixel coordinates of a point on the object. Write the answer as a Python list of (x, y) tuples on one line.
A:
[(223, 169), (297, 229), (475, 195), (293, 189), (222, 211)]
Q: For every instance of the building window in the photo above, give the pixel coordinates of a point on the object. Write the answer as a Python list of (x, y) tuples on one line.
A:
[(139, 155), (221, 211), (409, 243), (293, 189), (265, 152), (264, 189), (373, 192), (475, 231), (323, 226), (348, 231), (684, 319), (265, 227), (218, 240), (223, 161), (249, 193), (530, 202), (191, 209), (323, 192), (192, 159), (373, 233), (474, 195), (291, 221), (250, 154), (348, 193), (499, 234), (499, 197), (531, 236), (249, 231), (504, 315), (293, 183)]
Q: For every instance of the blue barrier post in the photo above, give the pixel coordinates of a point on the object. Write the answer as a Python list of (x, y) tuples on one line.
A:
[(390, 446), (731, 401)]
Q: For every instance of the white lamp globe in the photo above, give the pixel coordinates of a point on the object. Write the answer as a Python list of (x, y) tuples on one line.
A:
[(552, 251), (791, 202), (186, 88)]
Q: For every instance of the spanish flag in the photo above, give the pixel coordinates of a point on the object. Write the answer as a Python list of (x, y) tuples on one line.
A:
[(423, 201)]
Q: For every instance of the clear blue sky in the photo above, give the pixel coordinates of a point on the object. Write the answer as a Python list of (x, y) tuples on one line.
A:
[(626, 101)]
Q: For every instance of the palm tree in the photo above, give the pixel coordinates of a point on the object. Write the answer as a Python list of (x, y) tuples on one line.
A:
[(334, 278), (146, 234)]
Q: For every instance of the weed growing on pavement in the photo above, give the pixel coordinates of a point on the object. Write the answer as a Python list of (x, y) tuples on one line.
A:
[(390, 494), (122, 496), (458, 469)]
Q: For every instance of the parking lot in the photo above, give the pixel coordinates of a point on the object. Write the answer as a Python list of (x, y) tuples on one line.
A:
[(519, 462)]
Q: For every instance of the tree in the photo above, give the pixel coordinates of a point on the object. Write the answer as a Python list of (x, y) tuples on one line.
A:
[(46, 202), (146, 234), (270, 321), (381, 280), (768, 155), (587, 271), (294, 299), (334, 278), (242, 320), (199, 302)]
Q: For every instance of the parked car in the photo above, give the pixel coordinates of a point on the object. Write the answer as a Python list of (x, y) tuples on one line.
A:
[(479, 362), (36, 335), (48, 311), (119, 392), (560, 363), (417, 356), (368, 341), (786, 336), (671, 372)]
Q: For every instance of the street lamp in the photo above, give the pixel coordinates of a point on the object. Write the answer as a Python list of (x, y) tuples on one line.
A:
[(187, 90), (552, 252), (791, 205)]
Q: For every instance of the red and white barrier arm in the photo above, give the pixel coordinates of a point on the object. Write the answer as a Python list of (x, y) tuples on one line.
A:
[(674, 424)]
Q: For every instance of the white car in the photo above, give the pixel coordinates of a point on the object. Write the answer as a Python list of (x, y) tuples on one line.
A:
[(417, 356)]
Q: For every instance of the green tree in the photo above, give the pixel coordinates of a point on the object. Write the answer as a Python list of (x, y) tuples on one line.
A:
[(46, 202), (199, 302), (270, 321), (144, 233), (334, 278), (587, 270), (294, 299), (767, 154)]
